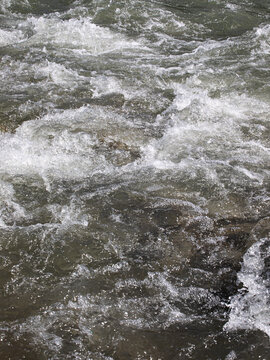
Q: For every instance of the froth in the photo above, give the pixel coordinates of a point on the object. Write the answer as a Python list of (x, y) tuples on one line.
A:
[(10, 37), (250, 307), (6, 5), (58, 74), (207, 132), (36, 149), (262, 38), (10, 209), (77, 34)]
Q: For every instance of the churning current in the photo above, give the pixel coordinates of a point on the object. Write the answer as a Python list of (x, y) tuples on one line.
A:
[(134, 179)]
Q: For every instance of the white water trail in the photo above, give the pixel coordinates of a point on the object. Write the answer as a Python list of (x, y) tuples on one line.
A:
[(250, 307)]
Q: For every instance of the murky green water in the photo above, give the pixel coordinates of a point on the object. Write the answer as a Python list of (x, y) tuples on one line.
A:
[(134, 179)]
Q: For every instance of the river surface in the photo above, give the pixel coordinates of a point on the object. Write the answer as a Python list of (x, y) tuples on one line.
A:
[(134, 179)]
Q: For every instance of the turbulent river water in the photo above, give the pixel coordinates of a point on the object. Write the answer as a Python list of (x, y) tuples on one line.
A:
[(134, 179)]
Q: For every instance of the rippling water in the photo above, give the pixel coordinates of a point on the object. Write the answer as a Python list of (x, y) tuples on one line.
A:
[(134, 179)]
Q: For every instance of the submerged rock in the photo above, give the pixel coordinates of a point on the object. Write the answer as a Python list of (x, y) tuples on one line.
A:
[(116, 151)]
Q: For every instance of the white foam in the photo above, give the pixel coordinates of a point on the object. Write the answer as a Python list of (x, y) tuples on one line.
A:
[(58, 74), (250, 309), (40, 326), (10, 210), (10, 37), (204, 130), (47, 147), (69, 215), (231, 356), (105, 85), (232, 7), (6, 5), (77, 34), (262, 40), (69, 144)]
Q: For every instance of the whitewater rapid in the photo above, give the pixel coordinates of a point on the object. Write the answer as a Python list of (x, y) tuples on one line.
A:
[(134, 179)]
